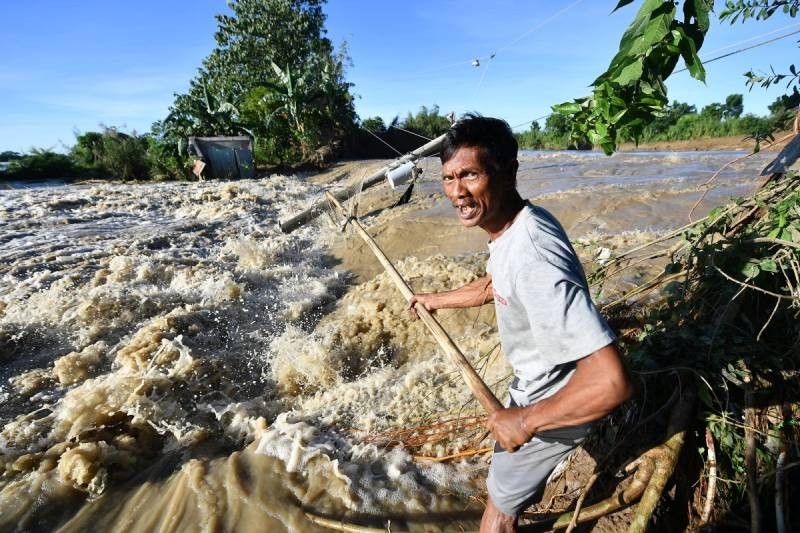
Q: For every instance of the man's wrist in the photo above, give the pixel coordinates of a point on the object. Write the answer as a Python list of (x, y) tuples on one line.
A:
[(528, 422)]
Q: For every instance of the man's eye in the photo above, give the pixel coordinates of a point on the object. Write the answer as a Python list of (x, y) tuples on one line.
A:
[(471, 175)]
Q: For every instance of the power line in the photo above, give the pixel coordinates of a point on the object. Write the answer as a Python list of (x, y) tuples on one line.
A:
[(740, 50), (411, 132), (543, 23), (531, 121), (761, 36), (538, 26), (491, 56), (705, 62), (398, 152)]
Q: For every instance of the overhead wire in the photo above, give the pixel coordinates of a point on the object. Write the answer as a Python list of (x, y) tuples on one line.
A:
[(740, 50), (761, 36), (704, 61), (398, 152), (537, 119), (538, 26), (489, 57), (570, 6), (411, 132)]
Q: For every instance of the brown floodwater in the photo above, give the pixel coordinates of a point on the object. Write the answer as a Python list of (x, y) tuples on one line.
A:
[(172, 362)]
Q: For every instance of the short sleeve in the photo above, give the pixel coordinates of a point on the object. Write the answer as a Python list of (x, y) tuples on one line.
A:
[(565, 324)]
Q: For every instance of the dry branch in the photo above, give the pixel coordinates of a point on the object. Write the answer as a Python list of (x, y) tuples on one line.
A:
[(711, 491), (665, 465), (750, 457), (780, 516)]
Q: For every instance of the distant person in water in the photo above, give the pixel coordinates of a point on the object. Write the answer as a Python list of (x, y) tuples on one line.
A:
[(567, 370)]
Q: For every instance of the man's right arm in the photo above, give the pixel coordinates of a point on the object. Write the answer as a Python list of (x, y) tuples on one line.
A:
[(472, 294)]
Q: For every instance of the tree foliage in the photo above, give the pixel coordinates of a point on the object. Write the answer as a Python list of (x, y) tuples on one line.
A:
[(9, 155), (426, 122), (731, 319), (631, 92), (630, 95), (274, 76), (374, 124), (784, 107), (733, 107), (112, 154), (679, 121), (757, 9), (41, 164)]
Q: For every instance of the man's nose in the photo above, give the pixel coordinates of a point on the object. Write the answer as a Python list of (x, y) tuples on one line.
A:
[(458, 188)]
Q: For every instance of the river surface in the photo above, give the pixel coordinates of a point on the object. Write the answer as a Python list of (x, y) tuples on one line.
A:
[(170, 361)]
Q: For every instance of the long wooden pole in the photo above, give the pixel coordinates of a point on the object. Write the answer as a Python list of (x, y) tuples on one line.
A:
[(429, 148), (482, 393)]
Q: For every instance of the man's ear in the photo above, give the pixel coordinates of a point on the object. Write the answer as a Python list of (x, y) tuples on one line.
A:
[(512, 174)]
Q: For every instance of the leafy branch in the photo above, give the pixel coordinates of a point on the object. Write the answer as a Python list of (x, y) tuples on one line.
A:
[(631, 93), (757, 9), (773, 78)]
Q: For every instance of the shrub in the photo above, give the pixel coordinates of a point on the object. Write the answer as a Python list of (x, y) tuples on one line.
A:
[(42, 164)]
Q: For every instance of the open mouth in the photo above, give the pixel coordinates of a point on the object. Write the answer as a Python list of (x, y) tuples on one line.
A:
[(467, 212)]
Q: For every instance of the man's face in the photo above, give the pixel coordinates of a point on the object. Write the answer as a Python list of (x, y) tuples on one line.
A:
[(475, 196)]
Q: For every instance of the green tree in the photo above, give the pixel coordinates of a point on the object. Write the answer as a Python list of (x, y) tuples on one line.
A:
[(374, 124), (785, 102), (88, 149), (8, 155), (272, 75), (533, 139), (114, 154), (427, 122), (41, 164), (784, 108), (557, 125), (661, 124), (733, 106), (713, 111)]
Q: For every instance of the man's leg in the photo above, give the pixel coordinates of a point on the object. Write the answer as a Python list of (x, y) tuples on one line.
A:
[(515, 479), (496, 521)]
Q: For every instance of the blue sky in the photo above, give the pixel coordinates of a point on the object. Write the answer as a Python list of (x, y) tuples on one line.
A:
[(70, 66)]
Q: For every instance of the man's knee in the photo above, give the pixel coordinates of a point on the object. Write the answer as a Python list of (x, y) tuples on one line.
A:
[(494, 520)]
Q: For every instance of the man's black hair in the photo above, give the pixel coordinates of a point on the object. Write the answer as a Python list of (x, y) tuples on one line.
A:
[(498, 146)]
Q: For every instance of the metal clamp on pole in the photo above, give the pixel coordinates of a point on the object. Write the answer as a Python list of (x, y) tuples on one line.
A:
[(318, 207)]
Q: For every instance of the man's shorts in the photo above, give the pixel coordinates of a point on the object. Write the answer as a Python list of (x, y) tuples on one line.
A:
[(516, 478)]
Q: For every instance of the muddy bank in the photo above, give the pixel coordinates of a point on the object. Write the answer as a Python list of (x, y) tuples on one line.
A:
[(734, 142)]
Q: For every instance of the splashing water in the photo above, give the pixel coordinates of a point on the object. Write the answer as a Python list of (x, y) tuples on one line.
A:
[(171, 360)]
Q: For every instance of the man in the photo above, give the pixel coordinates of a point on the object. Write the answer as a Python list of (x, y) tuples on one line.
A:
[(568, 373)]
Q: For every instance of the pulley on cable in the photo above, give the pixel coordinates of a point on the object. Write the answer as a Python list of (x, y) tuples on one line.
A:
[(405, 173)]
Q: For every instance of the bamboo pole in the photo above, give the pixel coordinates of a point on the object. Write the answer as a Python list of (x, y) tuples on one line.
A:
[(291, 224), (479, 389)]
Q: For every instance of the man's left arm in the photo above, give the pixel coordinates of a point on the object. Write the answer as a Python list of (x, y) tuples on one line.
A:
[(598, 385)]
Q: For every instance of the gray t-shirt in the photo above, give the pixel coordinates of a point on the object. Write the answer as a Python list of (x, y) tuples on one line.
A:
[(545, 314)]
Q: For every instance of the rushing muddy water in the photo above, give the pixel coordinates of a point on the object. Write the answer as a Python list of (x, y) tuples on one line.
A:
[(171, 361)]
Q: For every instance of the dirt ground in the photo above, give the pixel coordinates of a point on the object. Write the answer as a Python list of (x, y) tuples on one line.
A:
[(735, 142)]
